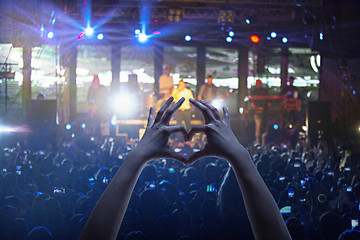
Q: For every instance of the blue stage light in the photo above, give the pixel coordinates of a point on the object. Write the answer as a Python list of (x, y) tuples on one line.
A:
[(231, 33), (284, 40), (89, 31), (137, 31), (68, 126), (83, 126), (50, 35), (187, 38), (276, 127), (229, 39), (321, 36), (100, 36), (247, 21), (273, 34), (142, 37)]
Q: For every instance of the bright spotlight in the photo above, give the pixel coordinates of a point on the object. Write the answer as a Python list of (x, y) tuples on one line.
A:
[(187, 38), (229, 39), (231, 34), (247, 21), (50, 35), (241, 110), (273, 34), (83, 126), (100, 36), (89, 31), (68, 126), (276, 127), (137, 31), (142, 37), (304, 128), (321, 36), (284, 40), (124, 104)]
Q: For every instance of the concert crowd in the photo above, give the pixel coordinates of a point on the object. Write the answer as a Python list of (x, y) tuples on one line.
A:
[(50, 193)]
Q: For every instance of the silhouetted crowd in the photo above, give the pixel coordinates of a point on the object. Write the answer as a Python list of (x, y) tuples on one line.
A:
[(50, 193)]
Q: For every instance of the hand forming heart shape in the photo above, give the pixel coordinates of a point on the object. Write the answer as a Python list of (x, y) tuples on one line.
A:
[(220, 138)]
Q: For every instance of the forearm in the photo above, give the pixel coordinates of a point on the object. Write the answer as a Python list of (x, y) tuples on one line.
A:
[(105, 220), (264, 215)]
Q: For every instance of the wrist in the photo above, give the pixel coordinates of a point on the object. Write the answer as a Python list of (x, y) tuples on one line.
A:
[(136, 158)]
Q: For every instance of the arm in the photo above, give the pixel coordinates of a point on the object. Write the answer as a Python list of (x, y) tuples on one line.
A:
[(105, 220), (265, 218)]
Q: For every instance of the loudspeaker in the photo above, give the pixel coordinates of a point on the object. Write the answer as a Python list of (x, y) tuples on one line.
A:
[(42, 113), (318, 120)]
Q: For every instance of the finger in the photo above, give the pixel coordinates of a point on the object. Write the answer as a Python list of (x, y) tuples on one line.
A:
[(177, 128), (226, 115), (194, 130), (169, 113), (197, 155), (163, 109), (150, 118), (208, 115), (212, 108), (177, 156)]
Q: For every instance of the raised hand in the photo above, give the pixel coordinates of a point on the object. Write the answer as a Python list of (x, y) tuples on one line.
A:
[(221, 140), (154, 143)]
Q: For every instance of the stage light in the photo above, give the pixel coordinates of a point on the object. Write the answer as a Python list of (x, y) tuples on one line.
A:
[(84, 3), (290, 126), (187, 38), (231, 33), (53, 21), (80, 35), (247, 21), (229, 39), (354, 92), (68, 126), (284, 40), (273, 34), (113, 120), (276, 127), (100, 36), (83, 126), (155, 20), (304, 128), (268, 38), (124, 104), (137, 31), (89, 31), (321, 36), (50, 35), (142, 37), (254, 38)]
